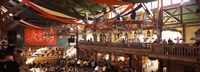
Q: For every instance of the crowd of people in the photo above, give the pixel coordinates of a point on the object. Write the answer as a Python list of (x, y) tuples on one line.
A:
[(76, 65)]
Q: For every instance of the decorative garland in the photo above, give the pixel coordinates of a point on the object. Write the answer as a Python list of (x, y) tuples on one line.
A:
[(48, 15)]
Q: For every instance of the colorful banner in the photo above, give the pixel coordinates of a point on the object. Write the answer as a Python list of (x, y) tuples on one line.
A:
[(45, 14), (36, 37), (111, 2)]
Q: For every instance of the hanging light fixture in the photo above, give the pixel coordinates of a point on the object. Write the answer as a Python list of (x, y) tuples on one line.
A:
[(148, 33), (135, 34)]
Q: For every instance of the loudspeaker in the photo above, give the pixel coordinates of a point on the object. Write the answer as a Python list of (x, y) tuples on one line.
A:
[(16, 18)]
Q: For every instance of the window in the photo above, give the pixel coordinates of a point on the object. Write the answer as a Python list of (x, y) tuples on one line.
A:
[(176, 1), (172, 35), (154, 4), (149, 5), (166, 2)]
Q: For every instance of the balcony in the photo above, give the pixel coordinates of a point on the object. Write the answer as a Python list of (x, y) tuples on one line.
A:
[(177, 52)]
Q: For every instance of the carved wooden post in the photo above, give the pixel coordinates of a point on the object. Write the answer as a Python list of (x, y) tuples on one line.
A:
[(1, 21), (77, 45), (95, 37), (161, 65), (160, 18)]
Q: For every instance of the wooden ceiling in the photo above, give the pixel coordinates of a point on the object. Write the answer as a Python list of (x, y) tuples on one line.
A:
[(73, 8)]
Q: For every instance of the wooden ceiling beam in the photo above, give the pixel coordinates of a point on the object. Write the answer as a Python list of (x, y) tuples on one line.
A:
[(147, 12), (72, 7), (131, 22), (88, 7), (11, 10), (171, 15), (13, 25), (168, 14), (111, 8), (84, 5), (6, 25), (2, 2), (192, 11)]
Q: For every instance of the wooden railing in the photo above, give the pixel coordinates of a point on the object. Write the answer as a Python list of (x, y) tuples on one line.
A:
[(177, 50), (119, 45)]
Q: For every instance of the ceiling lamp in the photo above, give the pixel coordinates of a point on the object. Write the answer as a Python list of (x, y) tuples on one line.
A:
[(135, 34), (148, 33)]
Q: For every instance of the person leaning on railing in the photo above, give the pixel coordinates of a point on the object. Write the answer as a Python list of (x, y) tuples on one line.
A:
[(170, 42)]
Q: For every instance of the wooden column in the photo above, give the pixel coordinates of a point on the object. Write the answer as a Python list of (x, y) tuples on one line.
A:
[(109, 37), (110, 56), (181, 22), (95, 55), (101, 37), (84, 37), (160, 18), (160, 66), (77, 45), (95, 37), (139, 64), (131, 62), (197, 69), (1, 22), (170, 66)]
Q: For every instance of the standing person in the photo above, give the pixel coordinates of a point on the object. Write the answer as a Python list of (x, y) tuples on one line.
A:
[(164, 41), (178, 40), (170, 42), (197, 37), (10, 65)]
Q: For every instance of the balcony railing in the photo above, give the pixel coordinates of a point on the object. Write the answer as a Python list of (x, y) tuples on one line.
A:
[(119, 45), (176, 50)]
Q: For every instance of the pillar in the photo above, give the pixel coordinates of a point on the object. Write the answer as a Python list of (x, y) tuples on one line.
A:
[(1, 23), (104, 37), (84, 37), (101, 37), (160, 66), (139, 64), (77, 45), (95, 55), (131, 62), (181, 22), (159, 19), (95, 37), (109, 37), (110, 57), (170, 66), (197, 69)]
